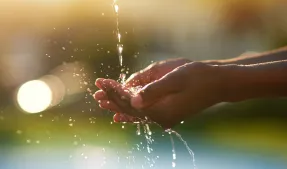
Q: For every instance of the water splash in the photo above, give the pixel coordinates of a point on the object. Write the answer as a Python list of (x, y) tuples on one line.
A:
[(191, 153), (122, 78), (138, 129), (173, 163), (148, 136), (148, 129)]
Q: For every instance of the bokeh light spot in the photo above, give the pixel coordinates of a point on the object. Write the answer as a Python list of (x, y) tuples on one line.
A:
[(34, 96)]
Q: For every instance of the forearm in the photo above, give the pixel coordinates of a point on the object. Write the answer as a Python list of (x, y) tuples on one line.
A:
[(270, 56), (264, 80)]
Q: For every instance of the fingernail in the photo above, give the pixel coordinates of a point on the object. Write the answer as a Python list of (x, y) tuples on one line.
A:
[(116, 120), (137, 101), (99, 82)]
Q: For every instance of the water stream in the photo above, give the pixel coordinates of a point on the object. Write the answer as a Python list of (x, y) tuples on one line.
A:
[(143, 124)]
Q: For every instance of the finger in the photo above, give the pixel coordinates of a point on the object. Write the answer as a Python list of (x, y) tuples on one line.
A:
[(155, 91), (106, 104), (120, 97), (110, 85), (99, 83), (117, 94), (139, 79), (100, 95), (121, 118)]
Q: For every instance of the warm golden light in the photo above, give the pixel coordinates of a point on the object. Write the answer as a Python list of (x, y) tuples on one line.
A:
[(34, 96)]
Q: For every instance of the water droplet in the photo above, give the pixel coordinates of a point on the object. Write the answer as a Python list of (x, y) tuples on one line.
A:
[(120, 48), (120, 51), (174, 156), (119, 37), (116, 8), (138, 129), (122, 78), (173, 164), (148, 129)]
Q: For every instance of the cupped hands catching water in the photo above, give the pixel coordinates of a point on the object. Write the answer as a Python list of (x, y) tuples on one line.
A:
[(169, 92)]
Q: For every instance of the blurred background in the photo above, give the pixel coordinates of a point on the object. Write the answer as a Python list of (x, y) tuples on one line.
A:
[(53, 50)]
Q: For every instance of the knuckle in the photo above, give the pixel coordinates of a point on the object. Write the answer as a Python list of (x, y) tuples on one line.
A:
[(153, 67), (133, 78), (134, 75), (198, 65)]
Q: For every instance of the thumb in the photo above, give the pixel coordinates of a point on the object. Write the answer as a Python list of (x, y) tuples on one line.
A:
[(153, 92)]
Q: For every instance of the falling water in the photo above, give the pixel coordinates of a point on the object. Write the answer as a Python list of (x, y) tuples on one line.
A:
[(173, 163), (120, 49), (146, 128), (191, 153), (120, 46)]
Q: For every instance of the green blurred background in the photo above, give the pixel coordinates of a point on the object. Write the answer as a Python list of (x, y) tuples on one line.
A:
[(75, 41)]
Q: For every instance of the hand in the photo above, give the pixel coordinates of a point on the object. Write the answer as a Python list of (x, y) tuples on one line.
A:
[(153, 72), (179, 94)]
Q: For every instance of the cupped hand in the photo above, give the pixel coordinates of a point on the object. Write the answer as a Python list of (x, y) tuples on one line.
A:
[(139, 79), (183, 92)]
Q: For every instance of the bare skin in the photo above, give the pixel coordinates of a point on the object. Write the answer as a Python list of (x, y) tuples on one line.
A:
[(167, 101), (190, 88), (139, 79)]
